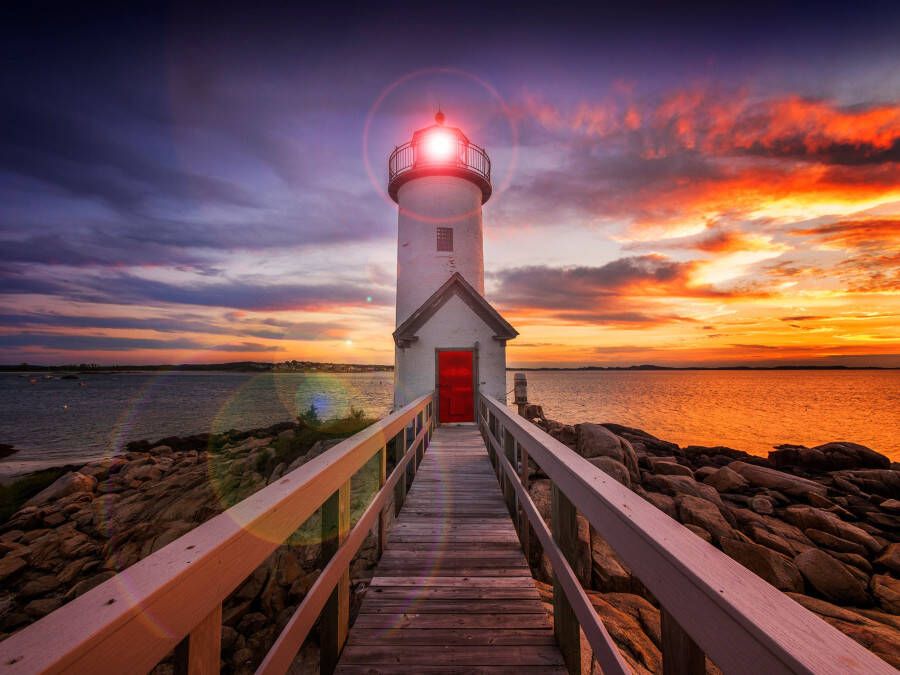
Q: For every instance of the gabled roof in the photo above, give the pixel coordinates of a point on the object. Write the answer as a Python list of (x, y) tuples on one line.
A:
[(455, 285)]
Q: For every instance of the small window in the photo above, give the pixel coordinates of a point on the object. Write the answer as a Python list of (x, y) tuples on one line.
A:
[(445, 239)]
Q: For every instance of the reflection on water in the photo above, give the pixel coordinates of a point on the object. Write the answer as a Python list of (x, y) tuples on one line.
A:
[(747, 410), (56, 421)]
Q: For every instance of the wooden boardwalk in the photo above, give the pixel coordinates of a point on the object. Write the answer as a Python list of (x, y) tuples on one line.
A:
[(452, 592)]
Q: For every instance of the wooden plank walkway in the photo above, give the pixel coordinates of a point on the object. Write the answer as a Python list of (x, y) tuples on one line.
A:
[(452, 592)]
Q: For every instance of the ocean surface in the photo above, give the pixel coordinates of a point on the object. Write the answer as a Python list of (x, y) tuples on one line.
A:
[(56, 421)]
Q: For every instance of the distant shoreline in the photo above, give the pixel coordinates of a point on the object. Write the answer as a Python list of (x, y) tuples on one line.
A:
[(317, 367)]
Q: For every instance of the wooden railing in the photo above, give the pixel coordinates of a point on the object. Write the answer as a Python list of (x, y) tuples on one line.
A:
[(173, 598), (710, 604)]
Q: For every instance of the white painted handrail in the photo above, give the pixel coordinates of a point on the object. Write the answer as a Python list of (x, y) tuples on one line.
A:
[(741, 622), (132, 621)]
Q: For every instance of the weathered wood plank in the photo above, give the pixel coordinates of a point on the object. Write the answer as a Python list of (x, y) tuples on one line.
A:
[(453, 636), (200, 652), (452, 591), (468, 655)]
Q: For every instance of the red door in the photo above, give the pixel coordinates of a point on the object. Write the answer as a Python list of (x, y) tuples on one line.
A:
[(456, 386)]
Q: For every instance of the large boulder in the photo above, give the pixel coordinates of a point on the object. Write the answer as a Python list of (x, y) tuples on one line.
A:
[(595, 440), (644, 443), (890, 558), (763, 477), (884, 482), (681, 485), (726, 480), (829, 457), (696, 511), (831, 578), (64, 486), (809, 517), (886, 590), (614, 468), (669, 467), (775, 568), (609, 571)]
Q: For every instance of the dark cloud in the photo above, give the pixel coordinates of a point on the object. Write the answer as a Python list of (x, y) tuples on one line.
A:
[(803, 317), (613, 293)]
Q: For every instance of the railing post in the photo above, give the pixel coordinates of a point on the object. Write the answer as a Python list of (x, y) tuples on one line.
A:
[(509, 449), (524, 525), (335, 623), (681, 655), (398, 443), (564, 522), (382, 515), (201, 651)]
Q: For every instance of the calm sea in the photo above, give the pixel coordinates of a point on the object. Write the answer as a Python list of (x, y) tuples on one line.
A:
[(56, 421)]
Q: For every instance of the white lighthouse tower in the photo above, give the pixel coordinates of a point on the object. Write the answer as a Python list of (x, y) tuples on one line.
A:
[(448, 337)]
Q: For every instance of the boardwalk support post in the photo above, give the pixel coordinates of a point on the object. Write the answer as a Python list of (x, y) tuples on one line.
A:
[(336, 614), (398, 444), (681, 655), (509, 492), (564, 522), (200, 652)]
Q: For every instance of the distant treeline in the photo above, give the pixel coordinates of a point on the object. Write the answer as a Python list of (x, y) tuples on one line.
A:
[(236, 366), (315, 367)]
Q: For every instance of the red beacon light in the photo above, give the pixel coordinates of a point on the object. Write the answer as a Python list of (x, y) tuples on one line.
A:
[(439, 151)]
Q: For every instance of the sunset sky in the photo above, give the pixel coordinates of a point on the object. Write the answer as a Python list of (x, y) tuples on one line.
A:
[(672, 186)]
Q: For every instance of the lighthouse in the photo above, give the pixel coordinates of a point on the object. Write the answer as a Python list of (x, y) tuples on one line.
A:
[(448, 337)]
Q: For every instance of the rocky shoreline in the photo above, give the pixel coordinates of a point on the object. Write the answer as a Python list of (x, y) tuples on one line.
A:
[(821, 524), (97, 521)]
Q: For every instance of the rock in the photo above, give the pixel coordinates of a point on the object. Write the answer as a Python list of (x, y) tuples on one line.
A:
[(775, 568), (762, 505), (853, 560), (886, 590), (64, 485), (609, 571), (40, 586), (665, 466), (644, 443), (892, 505), (252, 623), (829, 457), (874, 481), (682, 485), (881, 638), (808, 517), (629, 620), (9, 565), (594, 440), (700, 532), (705, 514), (664, 503), (704, 472), (42, 606), (614, 468), (761, 476), (726, 480), (831, 578), (87, 584), (829, 541), (890, 558)]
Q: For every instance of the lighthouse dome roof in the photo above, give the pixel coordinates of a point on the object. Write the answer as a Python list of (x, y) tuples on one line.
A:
[(439, 150)]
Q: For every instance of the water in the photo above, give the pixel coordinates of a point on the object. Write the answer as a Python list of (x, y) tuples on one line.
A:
[(55, 421)]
